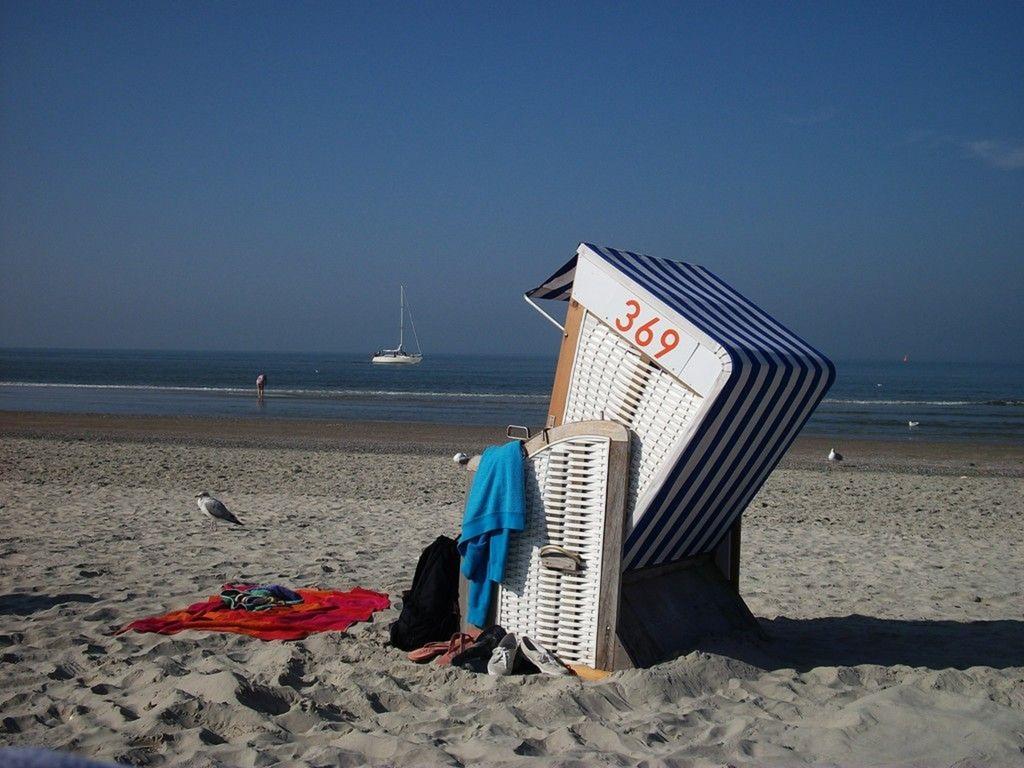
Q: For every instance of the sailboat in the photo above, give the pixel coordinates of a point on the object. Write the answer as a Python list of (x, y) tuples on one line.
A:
[(398, 355)]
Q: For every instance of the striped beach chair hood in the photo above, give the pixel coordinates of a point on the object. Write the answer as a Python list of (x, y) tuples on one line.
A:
[(757, 383)]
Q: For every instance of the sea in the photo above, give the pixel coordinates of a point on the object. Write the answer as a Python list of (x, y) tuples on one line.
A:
[(950, 401)]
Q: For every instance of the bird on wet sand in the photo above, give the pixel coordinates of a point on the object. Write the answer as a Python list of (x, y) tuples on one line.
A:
[(834, 456), (215, 508)]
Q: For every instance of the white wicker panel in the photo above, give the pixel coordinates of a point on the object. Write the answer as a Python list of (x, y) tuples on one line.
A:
[(566, 490), (612, 380)]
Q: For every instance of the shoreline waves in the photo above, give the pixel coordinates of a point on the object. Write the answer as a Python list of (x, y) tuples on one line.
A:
[(946, 402)]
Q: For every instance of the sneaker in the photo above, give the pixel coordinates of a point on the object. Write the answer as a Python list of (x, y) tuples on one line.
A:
[(479, 653), (503, 659), (542, 658)]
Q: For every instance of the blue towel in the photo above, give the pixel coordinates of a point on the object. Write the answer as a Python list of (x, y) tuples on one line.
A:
[(496, 506)]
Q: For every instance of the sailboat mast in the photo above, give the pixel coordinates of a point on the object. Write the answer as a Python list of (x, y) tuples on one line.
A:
[(401, 315)]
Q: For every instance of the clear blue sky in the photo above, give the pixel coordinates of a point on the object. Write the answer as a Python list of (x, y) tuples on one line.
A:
[(260, 176)]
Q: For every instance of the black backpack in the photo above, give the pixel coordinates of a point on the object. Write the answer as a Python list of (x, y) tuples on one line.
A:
[(430, 609)]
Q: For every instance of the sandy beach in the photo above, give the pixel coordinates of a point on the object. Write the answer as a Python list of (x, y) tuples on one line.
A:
[(890, 590)]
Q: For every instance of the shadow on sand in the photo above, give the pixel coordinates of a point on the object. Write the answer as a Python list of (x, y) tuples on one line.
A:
[(847, 641), (24, 604)]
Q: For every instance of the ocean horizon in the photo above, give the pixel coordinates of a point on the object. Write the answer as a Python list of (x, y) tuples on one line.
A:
[(982, 402)]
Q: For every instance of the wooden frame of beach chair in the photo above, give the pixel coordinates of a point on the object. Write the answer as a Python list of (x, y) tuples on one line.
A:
[(713, 391)]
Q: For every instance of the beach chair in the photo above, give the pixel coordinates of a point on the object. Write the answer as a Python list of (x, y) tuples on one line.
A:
[(711, 391)]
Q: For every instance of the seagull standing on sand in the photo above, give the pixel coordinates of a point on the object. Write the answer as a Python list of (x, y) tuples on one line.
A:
[(833, 457), (215, 509)]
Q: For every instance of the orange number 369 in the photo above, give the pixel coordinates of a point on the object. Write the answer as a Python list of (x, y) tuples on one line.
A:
[(645, 333)]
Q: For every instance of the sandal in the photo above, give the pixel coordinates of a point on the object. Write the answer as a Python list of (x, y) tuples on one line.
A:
[(460, 642), (428, 652)]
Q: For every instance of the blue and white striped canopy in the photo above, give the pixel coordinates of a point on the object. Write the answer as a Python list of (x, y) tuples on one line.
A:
[(775, 383)]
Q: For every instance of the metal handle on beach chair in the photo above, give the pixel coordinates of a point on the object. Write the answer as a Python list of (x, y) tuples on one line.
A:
[(510, 436)]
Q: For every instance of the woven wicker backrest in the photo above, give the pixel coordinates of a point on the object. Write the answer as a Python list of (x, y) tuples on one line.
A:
[(612, 380)]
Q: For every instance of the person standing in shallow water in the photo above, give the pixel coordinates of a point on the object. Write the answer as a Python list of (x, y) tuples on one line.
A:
[(261, 383)]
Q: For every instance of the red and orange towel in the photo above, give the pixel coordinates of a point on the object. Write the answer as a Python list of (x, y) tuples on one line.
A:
[(319, 611)]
